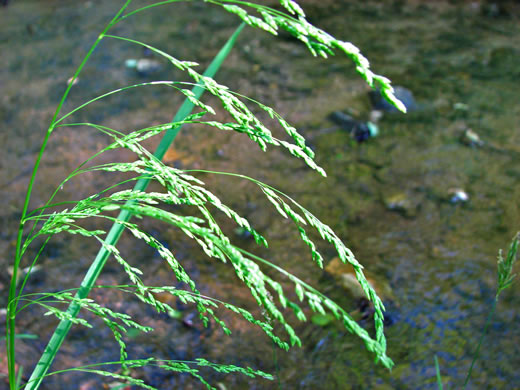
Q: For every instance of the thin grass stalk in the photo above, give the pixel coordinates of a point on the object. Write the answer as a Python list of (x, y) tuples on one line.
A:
[(505, 280), (12, 300), (136, 11), (475, 356), (115, 232), (438, 373), (42, 247), (19, 377)]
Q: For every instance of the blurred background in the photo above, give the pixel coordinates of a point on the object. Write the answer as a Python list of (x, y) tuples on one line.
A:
[(425, 200)]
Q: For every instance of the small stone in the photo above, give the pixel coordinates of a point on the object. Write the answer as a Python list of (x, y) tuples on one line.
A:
[(345, 275), (345, 121), (471, 138), (401, 204), (144, 66), (375, 116), (460, 106), (364, 131), (187, 321), (361, 132), (374, 130), (458, 195)]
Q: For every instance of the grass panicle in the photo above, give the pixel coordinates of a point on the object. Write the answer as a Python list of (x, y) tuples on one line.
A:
[(198, 220)]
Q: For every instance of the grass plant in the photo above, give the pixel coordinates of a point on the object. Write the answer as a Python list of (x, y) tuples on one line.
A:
[(184, 189), (505, 279)]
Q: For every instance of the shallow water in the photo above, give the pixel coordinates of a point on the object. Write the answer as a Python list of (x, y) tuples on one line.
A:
[(438, 257)]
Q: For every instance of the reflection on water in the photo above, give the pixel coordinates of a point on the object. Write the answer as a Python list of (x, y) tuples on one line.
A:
[(438, 256)]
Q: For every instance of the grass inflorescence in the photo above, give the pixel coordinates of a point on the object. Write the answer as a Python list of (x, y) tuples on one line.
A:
[(185, 189)]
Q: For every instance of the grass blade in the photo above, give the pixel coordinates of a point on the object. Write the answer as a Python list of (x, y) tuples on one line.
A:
[(438, 373)]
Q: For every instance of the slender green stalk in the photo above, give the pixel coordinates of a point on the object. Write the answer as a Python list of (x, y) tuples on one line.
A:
[(147, 7), (438, 373), (475, 356), (111, 93), (12, 301), (115, 232), (505, 279), (42, 247), (19, 377)]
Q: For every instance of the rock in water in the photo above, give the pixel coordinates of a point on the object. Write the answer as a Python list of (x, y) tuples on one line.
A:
[(471, 138), (361, 131), (345, 121), (345, 277), (144, 66), (458, 195), (364, 131), (401, 203), (401, 93)]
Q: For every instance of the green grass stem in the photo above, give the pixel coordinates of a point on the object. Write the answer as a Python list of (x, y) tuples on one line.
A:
[(438, 373), (477, 351), (136, 11), (505, 279)]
